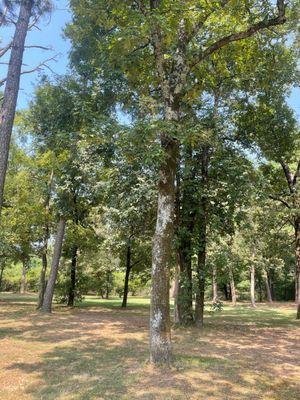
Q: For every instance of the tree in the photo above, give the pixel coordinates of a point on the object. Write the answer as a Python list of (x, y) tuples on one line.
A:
[(10, 96), (162, 57), (49, 292)]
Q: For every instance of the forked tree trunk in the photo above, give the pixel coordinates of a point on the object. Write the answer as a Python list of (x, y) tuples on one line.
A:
[(47, 302), (232, 286), (160, 333), (23, 277), (214, 284), (127, 273), (268, 289), (72, 290), (252, 285), (9, 102)]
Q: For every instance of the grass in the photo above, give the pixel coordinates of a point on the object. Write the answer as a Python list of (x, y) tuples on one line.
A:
[(100, 351)]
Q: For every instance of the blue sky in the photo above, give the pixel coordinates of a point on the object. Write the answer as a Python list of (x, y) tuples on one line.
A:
[(51, 34)]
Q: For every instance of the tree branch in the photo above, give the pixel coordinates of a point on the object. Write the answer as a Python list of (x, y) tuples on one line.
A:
[(288, 175), (297, 174), (266, 23), (281, 200), (42, 65)]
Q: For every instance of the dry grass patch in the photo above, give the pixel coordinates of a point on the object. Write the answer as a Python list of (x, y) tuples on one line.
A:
[(100, 351)]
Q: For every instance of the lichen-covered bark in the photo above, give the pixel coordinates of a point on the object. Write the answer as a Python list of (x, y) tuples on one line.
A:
[(232, 286), (297, 254), (214, 284), (268, 288), (160, 334), (23, 276), (47, 302), (8, 107)]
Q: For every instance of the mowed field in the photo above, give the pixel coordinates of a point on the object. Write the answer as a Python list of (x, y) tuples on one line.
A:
[(100, 351)]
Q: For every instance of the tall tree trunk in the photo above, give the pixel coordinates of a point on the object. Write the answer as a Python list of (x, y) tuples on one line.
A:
[(47, 302), (160, 332), (268, 289), (72, 289), (252, 285), (1, 273), (297, 255), (9, 102), (175, 292), (42, 283), (232, 286), (185, 230), (200, 290), (214, 284), (23, 276), (201, 264), (225, 290), (128, 269)]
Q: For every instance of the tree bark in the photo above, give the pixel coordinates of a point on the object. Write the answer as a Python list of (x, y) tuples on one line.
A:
[(214, 284), (252, 285), (128, 269), (175, 292), (297, 255), (160, 333), (23, 277), (268, 289), (201, 264), (232, 286), (8, 108), (1, 274), (42, 283), (47, 302), (72, 289)]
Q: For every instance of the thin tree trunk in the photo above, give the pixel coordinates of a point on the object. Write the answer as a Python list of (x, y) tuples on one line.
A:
[(225, 289), (185, 230), (42, 283), (199, 307), (23, 277), (9, 102), (297, 255), (268, 289), (128, 269), (1, 274), (47, 302), (252, 285), (175, 291), (232, 286), (201, 264), (71, 297), (160, 332), (214, 284)]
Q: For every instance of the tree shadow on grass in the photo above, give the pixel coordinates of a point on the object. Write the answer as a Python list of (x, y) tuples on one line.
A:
[(87, 370)]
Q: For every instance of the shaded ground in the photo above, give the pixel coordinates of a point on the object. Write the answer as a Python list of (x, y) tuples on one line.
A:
[(100, 351)]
